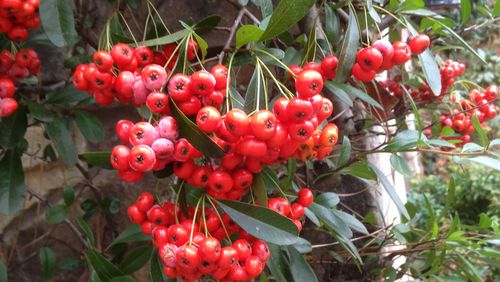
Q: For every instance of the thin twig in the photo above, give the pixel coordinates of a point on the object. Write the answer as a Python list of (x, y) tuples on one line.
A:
[(236, 23), (66, 221)]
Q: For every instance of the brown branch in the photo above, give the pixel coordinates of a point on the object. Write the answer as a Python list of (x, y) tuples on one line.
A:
[(235, 25)]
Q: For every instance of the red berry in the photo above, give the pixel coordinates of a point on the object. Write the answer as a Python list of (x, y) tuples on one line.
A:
[(419, 43), (178, 234), (179, 87), (142, 158), (261, 250), (135, 215), (305, 197), (202, 83), (369, 59), (237, 122), (145, 201), (263, 125), (187, 257), (243, 248), (208, 119), (120, 157), (228, 257), (362, 75), (253, 266), (402, 53), (220, 181), (220, 73), (308, 83), (329, 66), (210, 249)]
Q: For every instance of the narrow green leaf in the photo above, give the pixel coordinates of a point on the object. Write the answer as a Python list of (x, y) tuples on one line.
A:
[(58, 21), (480, 131), (486, 161), (418, 118), (59, 133), (429, 66), (466, 9), (254, 98), (176, 36), (97, 159), (373, 14), (56, 214), (102, 266), (440, 143), (13, 129), (259, 189), (156, 269), (328, 199), (391, 191), (201, 141), (90, 126), (348, 50), (48, 261), (450, 196), (332, 23), (460, 40), (206, 24), (332, 220), (400, 165), (246, 34), (266, 7), (473, 272), (360, 169), (277, 264), (496, 8), (285, 15), (261, 222), (68, 96), (132, 233), (3, 272), (270, 179), (136, 259), (353, 91), (351, 221), (86, 229), (39, 111), (411, 5), (299, 268), (202, 44), (403, 141), (334, 88), (345, 152), (11, 183), (69, 264)]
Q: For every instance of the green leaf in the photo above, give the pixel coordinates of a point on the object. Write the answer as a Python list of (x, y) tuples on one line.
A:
[(466, 9), (332, 220), (496, 8), (68, 96), (261, 222), (86, 229), (471, 147), (460, 40), (59, 133), (450, 196), (277, 264), (328, 199), (48, 261), (11, 183), (203, 45), (13, 129), (360, 169), (429, 66), (156, 268), (345, 153), (471, 270), (97, 159), (373, 14), (270, 179), (39, 111), (285, 15), (247, 33), (3, 272), (348, 50), (332, 23), (90, 126), (390, 190), (403, 141), (58, 21), (480, 130), (299, 268), (70, 264), (136, 259), (102, 266), (194, 135), (132, 233), (176, 36), (56, 214), (254, 98), (411, 5), (206, 24), (259, 189), (336, 90), (400, 165), (440, 143), (486, 161), (359, 94), (351, 221)]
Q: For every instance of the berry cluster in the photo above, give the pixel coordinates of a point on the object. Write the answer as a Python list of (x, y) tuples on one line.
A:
[(294, 211), (383, 55), (193, 247), (17, 16), (449, 71), (460, 120), (14, 68), (141, 74)]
